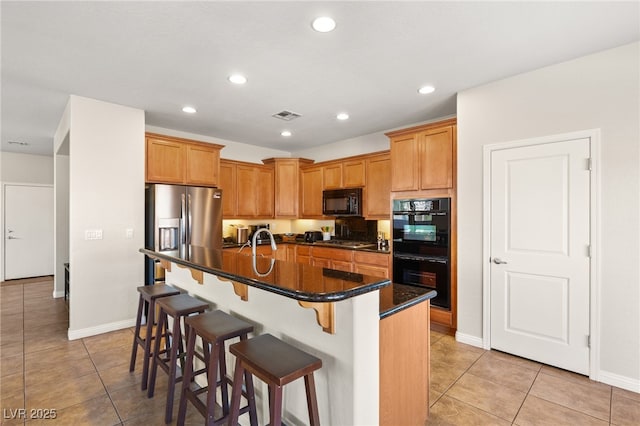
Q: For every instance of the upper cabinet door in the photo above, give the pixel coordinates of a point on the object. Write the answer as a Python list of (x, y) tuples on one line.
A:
[(264, 208), (436, 148), (247, 184), (311, 192), (176, 160), (377, 198), (165, 161), (203, 164), (405, 162), (353, 173), (423, 157), (229, 189), (286, 185), (332, 176)]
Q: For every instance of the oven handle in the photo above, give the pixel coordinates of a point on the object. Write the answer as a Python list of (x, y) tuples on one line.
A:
[(420, 258)]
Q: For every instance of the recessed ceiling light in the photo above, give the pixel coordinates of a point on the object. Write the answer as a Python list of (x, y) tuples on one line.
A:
[(237, 79), (286, 133), (426, 89), (323, 24), (189, 110), (342, 116)]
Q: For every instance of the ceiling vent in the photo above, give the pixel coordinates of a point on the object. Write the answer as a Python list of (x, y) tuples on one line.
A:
[(287, 115)]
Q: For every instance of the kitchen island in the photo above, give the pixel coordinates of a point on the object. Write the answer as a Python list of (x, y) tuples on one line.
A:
[(333, 315)]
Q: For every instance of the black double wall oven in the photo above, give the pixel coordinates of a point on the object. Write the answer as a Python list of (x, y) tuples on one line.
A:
[(421, 245)]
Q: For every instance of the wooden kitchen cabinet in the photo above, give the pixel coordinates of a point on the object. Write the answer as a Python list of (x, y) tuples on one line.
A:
[(203, 165), (264, 195), (286, 252), (246, 187), (181, 161), (311, 185), (369, 263), (303, 254), (344, 174), (286, 185), (328, 257), (436, 155), (229, 189), (354, 173), (422, 158), (247, 190), (165, 160), (377, 192), (332, 176)]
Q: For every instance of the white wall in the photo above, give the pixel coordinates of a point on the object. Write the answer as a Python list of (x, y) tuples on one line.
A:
[(596, 91), (359, 145), (61, 197), (232, 150), (106, 182), (27, 168), (346, 148)]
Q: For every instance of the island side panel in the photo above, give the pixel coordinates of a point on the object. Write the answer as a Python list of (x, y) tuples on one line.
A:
[(348, 381), (405, 366)]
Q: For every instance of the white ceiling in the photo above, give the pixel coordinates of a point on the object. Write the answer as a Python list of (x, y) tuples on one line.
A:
[(160, 56)]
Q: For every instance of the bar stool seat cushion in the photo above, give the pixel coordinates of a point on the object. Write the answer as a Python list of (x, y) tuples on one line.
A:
[(275, 361), (149, 292), (218, 325), (182, 304)]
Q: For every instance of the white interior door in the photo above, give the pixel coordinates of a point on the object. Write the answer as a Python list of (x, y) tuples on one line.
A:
[(28, 231), (540, 271)]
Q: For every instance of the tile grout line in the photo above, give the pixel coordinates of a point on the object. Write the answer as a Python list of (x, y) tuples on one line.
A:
[(513, 422), (459, 377), (102, 382), (575, 410), (611, 406)]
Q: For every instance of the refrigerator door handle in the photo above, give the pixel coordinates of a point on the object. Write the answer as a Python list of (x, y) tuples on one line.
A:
[(188, 219), (183, 218)]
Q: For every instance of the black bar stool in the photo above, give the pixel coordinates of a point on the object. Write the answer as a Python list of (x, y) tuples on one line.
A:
[(149, 294), (177, 307), (276, 363), (214, 328)]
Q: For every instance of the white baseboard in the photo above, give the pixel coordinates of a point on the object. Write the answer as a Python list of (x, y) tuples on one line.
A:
[(619, 381), (469, 339), (100, 329), (58, 294)]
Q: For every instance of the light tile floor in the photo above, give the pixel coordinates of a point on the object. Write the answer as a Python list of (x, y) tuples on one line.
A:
[(471, 386), (87, 381)]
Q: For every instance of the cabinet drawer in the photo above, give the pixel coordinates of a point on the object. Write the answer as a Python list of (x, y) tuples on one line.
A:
[(376, 259), (333, 254), (303, 250)]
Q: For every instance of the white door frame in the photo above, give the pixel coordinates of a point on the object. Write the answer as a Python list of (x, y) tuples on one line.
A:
[(3, 206), (594, 210)]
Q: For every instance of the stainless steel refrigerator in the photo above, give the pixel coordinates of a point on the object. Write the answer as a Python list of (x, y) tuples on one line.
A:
[(178, 216)]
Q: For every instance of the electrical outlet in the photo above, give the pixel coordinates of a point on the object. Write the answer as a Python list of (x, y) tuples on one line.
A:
[(93, 234), (129, 233)]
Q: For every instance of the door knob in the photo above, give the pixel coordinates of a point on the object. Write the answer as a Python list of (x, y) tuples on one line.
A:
[(498, 261)]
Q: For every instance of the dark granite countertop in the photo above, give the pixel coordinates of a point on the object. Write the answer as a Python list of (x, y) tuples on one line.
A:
[(371, 249), (290, 279), (397, 297)]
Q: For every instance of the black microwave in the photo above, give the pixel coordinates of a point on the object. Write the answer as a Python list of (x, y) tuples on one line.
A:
[(342, 202)]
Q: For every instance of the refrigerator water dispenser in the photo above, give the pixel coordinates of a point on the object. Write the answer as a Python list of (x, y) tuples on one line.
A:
[(169, 236)]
